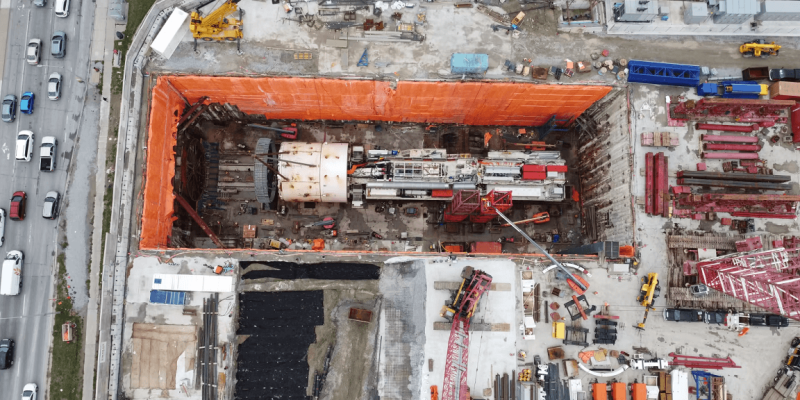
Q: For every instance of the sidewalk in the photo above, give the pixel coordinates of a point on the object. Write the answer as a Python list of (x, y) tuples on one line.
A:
[(5, 13), (102, 50)]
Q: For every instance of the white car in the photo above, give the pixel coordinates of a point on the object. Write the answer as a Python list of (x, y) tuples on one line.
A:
[(2, 226), (33, 51), (24, 149), (54, 86), (29, 391), (62, 8)]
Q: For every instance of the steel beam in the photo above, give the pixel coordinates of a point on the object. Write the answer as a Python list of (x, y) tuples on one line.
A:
[(728, 138), (196, 217), (648, 187), (731, 147), (726, 128), (733, 184), (730, 156), (732, 176)]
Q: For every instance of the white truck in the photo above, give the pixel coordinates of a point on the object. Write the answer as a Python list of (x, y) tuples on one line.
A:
[(47, 154), (11, 275)]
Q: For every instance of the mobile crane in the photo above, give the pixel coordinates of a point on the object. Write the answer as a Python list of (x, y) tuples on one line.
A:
[(647, 295), (459, 310), (759, 48), (217, 26)]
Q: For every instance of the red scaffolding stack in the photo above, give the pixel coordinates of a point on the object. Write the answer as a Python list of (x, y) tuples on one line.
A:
[(493, 200), (464, 203), (768, 279)]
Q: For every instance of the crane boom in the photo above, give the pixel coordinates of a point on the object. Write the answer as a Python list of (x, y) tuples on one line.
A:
[(461, 308), (217, 25)]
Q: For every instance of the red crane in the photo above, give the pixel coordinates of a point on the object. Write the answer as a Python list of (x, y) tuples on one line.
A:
[(459, 310)]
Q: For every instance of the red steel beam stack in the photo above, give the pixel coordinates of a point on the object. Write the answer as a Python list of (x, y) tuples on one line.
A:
[(731, 147), (765, 113), (656, 184), (742, 205), (726, 128), (648, 183), (767, 279), (464, 203), (729, 138)]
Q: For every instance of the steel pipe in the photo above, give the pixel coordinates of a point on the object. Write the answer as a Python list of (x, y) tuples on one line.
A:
[(727, 128), (731, 146), (728, 138), (269, 128), (733, 184), (763, 215), (731, 156), (733, 176), (420, 185)]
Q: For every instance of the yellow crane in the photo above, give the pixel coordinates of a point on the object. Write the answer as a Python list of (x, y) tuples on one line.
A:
[(759, 48), (218, 25), (647, 295)]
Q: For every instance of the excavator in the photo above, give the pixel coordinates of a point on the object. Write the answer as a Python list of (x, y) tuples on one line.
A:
[(217, 26), (759, 48), (647, 295)]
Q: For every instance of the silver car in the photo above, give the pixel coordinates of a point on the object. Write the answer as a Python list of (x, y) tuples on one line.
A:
[(50, 209), (54, 86), (9, 108)]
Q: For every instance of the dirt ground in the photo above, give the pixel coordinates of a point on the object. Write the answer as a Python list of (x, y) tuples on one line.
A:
[(156, 349)]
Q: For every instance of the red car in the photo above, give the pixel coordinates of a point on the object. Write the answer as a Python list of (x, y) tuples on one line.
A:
[(17, 211)]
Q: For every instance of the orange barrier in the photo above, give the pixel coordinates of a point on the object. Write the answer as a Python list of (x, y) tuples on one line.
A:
[(157, 211), (471, 103)]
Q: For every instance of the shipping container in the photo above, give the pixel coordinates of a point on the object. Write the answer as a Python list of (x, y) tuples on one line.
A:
[(171, 34), (486, 247), (534, 176), (599, 391), (465, 63), (784, 91), (533, 168), (556, 168), (442, 193)]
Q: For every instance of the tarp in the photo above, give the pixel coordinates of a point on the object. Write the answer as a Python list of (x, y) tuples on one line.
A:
[(470, 103)]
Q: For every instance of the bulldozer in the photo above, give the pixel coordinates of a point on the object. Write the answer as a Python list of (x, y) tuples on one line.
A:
[(218, 25), (647, 295), (759, 48)]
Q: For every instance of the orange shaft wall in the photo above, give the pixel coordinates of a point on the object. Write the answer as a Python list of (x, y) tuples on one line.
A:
[(472, 103)]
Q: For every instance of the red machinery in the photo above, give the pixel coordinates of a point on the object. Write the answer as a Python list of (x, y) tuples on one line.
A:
[(460, 310), (767, 279), (464, 203)]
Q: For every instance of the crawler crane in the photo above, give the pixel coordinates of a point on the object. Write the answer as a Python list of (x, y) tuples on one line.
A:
[(647, 296), (218, 26)]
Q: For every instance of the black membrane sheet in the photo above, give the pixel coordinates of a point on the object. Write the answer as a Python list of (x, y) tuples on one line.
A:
[(338, 271), (272, 362)]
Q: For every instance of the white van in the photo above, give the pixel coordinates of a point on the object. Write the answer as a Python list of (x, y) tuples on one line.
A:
[(11, 276), (62, 8)]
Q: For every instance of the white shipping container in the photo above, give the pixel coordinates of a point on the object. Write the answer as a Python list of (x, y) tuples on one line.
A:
[(171, 34), (193, 283)]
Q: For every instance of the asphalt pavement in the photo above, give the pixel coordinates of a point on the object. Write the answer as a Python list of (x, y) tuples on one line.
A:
[(27, 318)]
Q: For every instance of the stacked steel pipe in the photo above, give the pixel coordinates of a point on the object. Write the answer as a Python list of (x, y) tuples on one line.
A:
[(732, 147), (734, 180)]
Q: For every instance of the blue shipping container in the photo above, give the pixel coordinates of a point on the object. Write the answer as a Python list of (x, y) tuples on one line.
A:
[(708, 89), (463, 63), (663, 73)]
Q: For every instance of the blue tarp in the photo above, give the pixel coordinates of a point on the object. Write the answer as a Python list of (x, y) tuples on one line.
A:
[(167, 297)]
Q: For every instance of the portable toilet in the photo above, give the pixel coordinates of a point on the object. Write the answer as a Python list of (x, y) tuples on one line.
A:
[(618, 391), (638, 391), (599, 391)]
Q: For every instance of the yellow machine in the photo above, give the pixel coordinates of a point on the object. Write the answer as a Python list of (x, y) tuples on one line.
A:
[(647, 296), (759, 48), (217, 26)]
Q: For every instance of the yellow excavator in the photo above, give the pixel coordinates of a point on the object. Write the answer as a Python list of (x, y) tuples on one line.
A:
[(218, 25), (759, 48), (647, 295)]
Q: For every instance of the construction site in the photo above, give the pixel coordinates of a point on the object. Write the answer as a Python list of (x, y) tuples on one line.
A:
[(596, 227)]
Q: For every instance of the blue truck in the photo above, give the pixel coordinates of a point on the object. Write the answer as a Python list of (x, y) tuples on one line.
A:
[(733, 89)]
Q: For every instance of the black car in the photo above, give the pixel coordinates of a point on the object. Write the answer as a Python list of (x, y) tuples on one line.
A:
[(679, 315), (784, 74), (768, 320), (6, 353), (715, 317)]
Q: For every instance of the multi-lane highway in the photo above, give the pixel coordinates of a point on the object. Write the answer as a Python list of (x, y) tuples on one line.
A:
[(27, 318)]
